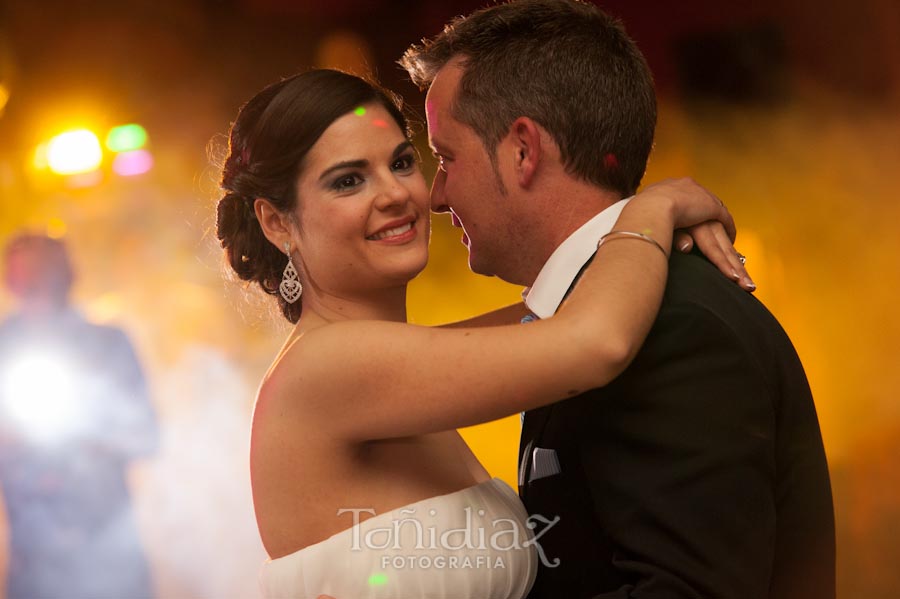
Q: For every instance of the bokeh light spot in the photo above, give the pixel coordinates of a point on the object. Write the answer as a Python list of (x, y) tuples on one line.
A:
[(38, 394), (360, 111), (74, 152), (380, 123), (136, 162), (126, 137), (378, 580)]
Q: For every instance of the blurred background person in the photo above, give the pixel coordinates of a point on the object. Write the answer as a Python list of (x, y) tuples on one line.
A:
[(74, 413)]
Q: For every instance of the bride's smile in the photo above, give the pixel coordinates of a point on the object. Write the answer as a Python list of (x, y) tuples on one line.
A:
[(362, 206)]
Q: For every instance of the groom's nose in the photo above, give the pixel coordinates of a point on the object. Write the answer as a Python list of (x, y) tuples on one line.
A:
[(438, 199)]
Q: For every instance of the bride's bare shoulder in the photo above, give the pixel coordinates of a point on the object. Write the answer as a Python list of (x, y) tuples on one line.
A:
[(311, 362)]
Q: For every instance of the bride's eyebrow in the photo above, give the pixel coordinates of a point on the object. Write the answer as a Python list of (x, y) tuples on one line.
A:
[(402, 147), (362, 163), (341, 165)]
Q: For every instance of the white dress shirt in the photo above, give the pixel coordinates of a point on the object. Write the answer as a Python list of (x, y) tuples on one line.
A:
[(559, 272)]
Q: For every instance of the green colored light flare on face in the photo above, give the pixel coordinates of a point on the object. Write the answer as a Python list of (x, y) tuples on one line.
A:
[(378, 580), (359, 111), (125, 138)]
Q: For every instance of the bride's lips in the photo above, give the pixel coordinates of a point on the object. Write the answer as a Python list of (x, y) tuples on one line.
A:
[(395, 232)]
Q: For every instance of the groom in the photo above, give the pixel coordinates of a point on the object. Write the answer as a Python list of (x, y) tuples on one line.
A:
[(700, 472)]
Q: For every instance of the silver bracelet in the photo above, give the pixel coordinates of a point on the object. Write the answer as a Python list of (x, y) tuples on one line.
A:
[(612, 235)]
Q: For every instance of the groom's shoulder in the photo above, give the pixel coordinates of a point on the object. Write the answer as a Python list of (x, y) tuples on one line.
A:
[(697, 286), (694, 280)]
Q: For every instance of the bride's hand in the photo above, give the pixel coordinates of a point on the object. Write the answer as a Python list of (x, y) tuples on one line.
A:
[(710, 225), (712, 239)]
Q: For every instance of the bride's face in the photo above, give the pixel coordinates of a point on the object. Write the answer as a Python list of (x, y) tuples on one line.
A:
[(362, 205)]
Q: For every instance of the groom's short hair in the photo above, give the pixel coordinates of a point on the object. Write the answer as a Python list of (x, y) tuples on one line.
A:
[(565, 64)]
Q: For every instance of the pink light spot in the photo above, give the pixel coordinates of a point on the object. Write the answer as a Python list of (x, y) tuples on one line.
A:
[(610, 161), (380, 123), (136, 162)]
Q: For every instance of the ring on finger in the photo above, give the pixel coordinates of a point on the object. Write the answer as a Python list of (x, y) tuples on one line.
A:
[(742, 258)]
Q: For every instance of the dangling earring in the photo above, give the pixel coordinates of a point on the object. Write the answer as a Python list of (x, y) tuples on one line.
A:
[(290, 287)]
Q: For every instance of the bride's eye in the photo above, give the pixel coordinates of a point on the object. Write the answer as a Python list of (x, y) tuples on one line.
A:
[(346, 182), (404, 163)]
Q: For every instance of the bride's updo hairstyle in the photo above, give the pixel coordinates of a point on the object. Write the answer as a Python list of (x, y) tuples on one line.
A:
[(266, 148)]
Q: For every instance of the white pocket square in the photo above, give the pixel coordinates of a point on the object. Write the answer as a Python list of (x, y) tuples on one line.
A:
[(544, 463)]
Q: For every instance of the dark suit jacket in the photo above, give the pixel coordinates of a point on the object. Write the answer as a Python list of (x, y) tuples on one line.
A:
[(699, 472)]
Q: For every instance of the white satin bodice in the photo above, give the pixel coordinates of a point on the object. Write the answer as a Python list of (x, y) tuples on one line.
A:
[(471, 544)]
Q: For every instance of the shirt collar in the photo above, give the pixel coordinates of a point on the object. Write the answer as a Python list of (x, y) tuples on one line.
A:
[(559, 272)]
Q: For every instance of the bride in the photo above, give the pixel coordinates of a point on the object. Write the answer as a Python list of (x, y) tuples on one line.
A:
[(362, 487)]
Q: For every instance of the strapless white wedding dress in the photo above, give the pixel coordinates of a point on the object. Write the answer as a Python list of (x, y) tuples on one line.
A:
[(471, 544)]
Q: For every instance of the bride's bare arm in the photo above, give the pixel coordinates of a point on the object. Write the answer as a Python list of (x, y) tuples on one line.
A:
[(365, 380), (509, 315)]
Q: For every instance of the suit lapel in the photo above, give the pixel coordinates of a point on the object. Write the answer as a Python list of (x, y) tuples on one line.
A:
[(578, 276), (535, 421), (533, 426)]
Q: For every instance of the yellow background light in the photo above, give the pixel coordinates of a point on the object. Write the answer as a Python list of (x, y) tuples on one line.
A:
[(74, 152)]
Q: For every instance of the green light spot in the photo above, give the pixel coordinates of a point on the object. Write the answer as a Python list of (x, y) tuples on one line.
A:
[(359, 111), (125, 138), (378, 580)]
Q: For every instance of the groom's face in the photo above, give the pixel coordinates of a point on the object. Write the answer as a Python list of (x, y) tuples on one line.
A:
[(467, 184)]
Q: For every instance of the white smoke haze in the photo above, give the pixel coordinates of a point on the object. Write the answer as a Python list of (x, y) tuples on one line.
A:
[(193, 500)]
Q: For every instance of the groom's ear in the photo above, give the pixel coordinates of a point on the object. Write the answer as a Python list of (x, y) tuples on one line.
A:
[(527, 143)]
